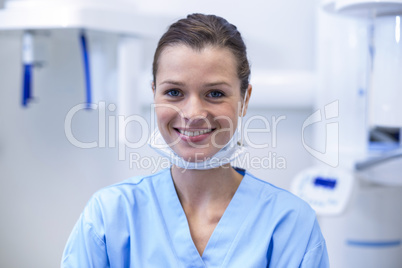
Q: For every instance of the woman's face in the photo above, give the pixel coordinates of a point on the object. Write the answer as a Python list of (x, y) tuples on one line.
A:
[(198, 100)]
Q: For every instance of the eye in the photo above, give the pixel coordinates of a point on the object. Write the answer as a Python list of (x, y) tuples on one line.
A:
[(216, 94), (173, 93)]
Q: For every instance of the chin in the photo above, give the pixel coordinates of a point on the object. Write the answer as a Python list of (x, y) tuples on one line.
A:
[(195, 156)]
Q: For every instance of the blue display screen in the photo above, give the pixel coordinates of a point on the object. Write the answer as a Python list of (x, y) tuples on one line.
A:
[(325, 182)]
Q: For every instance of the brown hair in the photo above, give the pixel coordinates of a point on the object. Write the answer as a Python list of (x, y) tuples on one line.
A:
[(198, 31)]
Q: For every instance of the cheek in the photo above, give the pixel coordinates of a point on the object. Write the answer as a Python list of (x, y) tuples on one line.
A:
[(161, 116), (228, 118), (165, 116), (228, 128)]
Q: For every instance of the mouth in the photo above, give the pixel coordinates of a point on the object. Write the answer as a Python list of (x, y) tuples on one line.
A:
[(195, 132), (194, 135)]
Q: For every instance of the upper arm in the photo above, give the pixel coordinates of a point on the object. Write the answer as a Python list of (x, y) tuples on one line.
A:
[(85, 247), (297, 240), (316, 255)]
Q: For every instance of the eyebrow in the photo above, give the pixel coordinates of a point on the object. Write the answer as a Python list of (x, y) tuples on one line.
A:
[(172, 82), (216, 84), (176, 83)]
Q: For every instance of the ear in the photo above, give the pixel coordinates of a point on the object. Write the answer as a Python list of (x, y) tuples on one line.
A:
[(153, 87), (247, 99)]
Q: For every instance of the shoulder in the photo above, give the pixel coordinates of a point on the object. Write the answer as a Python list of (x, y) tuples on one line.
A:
[(117, 203), (294, 230), (280, 208), (128, 193), (280, 198), (132, 185)]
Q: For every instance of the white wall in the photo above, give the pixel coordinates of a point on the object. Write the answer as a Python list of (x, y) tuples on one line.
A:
[(45, 181), (279, 34)]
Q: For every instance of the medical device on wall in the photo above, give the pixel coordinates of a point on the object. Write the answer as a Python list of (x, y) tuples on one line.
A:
[(359, 202), (31, 60), (382, 20), (27, 62), (37, 20), (326, 190)]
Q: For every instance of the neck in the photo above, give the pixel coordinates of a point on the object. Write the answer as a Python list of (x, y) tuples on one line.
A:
[(197, 188)]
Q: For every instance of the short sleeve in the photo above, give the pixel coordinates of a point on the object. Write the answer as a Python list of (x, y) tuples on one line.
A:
[(316, 255), (85, 248)]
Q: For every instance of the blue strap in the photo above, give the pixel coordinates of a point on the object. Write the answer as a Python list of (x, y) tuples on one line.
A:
[(85, 57), (27, 85)]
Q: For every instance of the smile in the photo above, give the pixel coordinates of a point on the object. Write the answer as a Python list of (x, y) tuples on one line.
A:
[(194, 133)]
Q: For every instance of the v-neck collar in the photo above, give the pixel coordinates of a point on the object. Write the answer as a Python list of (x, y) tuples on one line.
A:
[(224, 234)]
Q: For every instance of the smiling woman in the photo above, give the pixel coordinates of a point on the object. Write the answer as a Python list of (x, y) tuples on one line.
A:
[(202, 85), (201, 212)]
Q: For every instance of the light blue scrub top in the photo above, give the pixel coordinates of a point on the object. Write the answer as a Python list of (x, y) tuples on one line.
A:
[(141, 223)]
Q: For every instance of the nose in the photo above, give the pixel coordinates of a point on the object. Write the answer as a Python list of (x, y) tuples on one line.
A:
[(194, 109)]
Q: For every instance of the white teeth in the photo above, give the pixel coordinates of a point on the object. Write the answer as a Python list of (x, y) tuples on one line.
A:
[(194, 133)]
